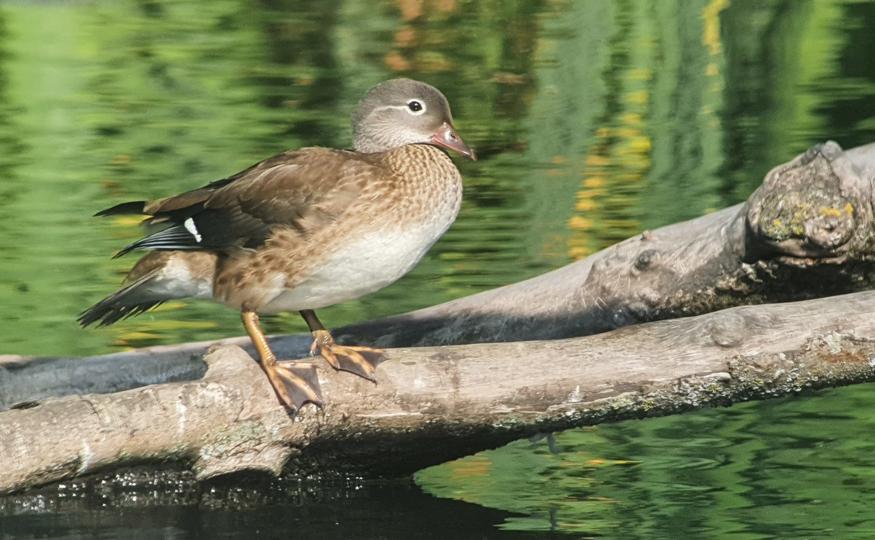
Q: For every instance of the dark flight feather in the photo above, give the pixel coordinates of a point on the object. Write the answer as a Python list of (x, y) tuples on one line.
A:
[(133, 207), (174, 238), (121, 304)]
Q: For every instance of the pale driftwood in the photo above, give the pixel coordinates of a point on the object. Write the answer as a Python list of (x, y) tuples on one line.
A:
[(807, 232), (435, 404)]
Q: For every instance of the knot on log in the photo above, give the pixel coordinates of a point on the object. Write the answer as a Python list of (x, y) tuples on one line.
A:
[(814, 209), (646, 259), (729, 329)]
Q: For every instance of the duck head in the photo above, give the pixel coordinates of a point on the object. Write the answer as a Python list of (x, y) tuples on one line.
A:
[(403, 111)]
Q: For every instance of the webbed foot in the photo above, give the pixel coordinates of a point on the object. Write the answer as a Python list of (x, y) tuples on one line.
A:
[(294, 385), (361, 361)]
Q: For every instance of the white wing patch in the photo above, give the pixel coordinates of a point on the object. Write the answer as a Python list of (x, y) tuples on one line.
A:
[(189, 226)]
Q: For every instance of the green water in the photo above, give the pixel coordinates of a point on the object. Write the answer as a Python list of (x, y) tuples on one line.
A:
[(795, 468), (594, 120)]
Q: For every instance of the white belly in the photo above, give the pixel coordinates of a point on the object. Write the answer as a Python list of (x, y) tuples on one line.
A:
[(358, 268)]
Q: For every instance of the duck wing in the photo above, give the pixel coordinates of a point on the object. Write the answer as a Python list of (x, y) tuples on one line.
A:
[(301, 190)]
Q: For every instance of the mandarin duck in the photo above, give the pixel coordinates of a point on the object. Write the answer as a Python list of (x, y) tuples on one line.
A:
[(305, 229)]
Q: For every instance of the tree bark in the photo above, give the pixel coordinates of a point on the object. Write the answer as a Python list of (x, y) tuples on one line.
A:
[(807, 232), (433, 404)]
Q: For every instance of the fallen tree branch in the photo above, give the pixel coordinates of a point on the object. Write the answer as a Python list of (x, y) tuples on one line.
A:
[(436, 404), (807, 232)]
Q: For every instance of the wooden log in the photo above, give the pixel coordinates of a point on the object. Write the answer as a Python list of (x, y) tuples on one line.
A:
[(807, 232), (433, 404)]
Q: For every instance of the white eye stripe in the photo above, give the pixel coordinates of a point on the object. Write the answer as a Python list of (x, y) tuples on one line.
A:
[(407, 108)]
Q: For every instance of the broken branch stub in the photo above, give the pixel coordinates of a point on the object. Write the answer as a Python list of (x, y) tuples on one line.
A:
[(817, 209)]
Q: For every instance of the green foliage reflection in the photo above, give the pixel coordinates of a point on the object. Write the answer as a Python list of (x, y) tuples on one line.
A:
[(792, 468)]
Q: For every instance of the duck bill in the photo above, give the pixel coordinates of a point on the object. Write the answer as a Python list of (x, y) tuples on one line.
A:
[(446, 137)]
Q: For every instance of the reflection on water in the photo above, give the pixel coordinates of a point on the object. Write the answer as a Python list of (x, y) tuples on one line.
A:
[(347, 510), (594, 120), (784, 469), (129, 100)]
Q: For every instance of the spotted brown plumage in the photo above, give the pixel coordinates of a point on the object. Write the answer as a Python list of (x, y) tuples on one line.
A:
[(306, 229)]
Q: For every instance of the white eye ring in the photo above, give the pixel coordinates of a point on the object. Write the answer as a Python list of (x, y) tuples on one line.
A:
[(415, 106)]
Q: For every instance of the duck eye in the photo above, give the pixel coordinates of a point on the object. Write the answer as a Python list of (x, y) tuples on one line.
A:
[(415, 106)]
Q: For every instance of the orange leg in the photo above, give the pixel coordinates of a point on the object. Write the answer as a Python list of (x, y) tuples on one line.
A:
[(293, 389), (359, 360)]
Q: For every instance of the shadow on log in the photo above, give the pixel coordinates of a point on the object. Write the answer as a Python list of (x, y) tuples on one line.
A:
[(807, 232)]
